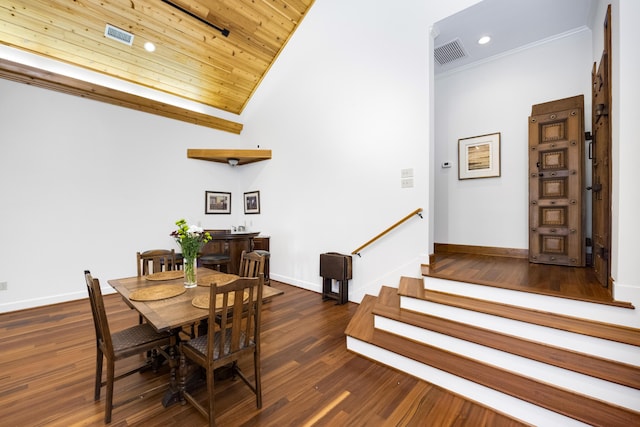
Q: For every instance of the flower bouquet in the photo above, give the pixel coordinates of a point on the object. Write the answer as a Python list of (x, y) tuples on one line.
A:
[(191, 239)]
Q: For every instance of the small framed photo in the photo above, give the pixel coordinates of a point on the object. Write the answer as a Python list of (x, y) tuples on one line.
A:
[(216, 202), (252, 202), (479, 156)]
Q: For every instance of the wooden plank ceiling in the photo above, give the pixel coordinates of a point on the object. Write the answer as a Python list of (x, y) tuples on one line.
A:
[(192, 59)]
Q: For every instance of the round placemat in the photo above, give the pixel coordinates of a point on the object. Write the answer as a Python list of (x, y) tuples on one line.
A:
[(157, 292), (219, 278), (165, 275), (202, 301)]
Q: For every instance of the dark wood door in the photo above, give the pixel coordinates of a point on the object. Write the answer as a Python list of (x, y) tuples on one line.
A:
[(601, 161), (556, 183)]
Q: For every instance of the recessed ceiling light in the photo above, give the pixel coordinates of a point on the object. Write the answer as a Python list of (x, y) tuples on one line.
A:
[(149, 47), (484, 40)]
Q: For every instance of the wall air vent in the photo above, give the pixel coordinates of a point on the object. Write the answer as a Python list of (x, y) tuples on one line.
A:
[(449, 52), (117, 34)]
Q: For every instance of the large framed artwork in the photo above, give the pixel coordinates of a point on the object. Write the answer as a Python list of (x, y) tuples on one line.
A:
[(479, 156), (216, 202)]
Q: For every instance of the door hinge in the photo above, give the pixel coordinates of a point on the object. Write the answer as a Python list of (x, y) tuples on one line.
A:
[(595, 187), (601, 110), (603, 253)]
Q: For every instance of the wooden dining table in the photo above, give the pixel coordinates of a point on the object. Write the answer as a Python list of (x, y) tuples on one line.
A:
[(172, 313), (168, 314)]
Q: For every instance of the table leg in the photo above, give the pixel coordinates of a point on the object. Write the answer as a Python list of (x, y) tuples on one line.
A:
[(172, 395), (194, 379)]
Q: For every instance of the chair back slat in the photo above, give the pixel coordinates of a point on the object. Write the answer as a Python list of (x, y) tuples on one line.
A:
[(251, 264), (155, 261), (237, 307)]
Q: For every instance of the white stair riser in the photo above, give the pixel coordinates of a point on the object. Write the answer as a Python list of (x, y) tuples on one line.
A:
[(567, 307), (498, 401), (606, 349), (583, 384)]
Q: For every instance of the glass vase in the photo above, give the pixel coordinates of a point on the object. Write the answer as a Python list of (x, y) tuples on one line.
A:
[(190, 267)]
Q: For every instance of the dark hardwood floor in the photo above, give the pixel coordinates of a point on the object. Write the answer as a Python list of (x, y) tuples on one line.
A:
[(578, 283), (47, 363)]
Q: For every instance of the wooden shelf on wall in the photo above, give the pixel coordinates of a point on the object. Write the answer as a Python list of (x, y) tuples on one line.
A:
[(223, 155)]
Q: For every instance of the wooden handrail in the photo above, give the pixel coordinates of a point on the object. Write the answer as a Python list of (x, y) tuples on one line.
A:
[(416, 212)]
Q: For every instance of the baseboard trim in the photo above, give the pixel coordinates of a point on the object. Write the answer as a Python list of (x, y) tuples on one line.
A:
[(443, 248), (48, 300)]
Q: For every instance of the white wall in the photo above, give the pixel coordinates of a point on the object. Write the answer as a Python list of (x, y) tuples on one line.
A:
[(496, 96), (450, 194), (84, 185), (625, 150), (344, 109)]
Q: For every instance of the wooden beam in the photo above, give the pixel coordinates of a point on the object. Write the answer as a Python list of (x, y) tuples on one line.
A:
[(45, 79)]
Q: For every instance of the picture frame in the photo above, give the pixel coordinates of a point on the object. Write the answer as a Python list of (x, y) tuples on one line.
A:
[(252, 202), (479, 156), (217, 202)]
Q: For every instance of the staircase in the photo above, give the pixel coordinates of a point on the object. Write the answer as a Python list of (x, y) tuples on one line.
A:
[(540, 367)]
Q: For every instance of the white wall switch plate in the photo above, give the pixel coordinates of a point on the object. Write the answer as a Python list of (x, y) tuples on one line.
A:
[(406, 183), (406, 173)]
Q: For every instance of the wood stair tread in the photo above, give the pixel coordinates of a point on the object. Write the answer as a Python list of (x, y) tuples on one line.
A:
[(570, 402), (414, 287), (565, 402), (608, 370), (508, 269), (361, 324), (361, 327), (411, 287)]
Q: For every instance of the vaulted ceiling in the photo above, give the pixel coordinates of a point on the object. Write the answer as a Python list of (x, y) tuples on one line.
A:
[(214, 52), (196, 61)]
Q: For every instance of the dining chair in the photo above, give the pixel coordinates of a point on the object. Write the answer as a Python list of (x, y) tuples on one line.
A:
[(120, 345), (238, 305), (267, 256), (155, 261), (251, 264)]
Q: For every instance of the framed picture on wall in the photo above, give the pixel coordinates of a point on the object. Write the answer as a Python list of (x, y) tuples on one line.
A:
[(252, 202), (216, 202), (479, 156)]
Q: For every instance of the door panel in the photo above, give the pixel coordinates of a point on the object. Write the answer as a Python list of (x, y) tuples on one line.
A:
[(601, 162), (556, 211)]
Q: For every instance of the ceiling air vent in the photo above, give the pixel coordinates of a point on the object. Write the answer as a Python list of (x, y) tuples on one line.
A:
[(449, 52), (117, 34)]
